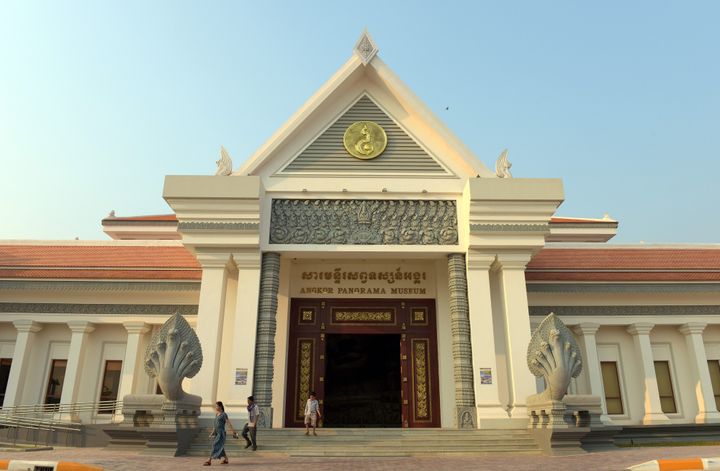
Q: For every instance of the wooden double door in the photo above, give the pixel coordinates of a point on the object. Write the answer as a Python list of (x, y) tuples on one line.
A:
[(371, 362)]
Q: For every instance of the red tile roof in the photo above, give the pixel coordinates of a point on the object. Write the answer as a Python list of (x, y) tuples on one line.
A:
[(98, 261), (625, 264)]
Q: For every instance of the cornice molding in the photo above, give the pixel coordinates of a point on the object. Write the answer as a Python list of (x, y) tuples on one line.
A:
[(247, 260), (692, 328), (99, 309), (219, 226), (81, 327), (485, 227), (136, 327), (533, 287), (480, 261), (659, 310), (26, 326), (640, 328), (99, 285), (512, 261), (586, 328)]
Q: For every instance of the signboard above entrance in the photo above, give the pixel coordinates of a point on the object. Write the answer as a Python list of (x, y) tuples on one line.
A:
[(357, 280)]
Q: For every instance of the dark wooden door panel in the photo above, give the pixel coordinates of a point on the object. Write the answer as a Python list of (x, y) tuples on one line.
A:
[(311, 320)]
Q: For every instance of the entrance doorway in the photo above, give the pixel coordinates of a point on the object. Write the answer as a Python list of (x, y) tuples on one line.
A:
[(362, 381), (372, 362)]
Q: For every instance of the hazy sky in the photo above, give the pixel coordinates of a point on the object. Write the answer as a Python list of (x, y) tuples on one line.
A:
[(100, 100)]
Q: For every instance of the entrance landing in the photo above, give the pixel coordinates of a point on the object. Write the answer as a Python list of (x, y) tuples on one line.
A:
[(382, 442)]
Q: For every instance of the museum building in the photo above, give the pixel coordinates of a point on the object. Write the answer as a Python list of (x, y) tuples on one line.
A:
[(365, 253)]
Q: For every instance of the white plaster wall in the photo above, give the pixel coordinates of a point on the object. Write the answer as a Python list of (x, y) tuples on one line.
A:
[(669, 345), (226, 368), (498, 331), (615, 344), (51, 343)]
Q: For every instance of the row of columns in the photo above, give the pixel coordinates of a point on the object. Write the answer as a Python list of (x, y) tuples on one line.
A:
[(21, 369), (640, 331)]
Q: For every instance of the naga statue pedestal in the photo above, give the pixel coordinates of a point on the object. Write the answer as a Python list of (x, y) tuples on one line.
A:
[(563, 423), (164, 423), (156, 425), (570, 426)]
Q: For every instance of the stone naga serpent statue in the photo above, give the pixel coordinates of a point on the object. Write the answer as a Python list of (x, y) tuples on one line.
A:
[(173, 354), (554, 355)]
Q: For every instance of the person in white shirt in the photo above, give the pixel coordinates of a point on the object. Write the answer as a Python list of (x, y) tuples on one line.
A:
[(312, 412), (249, 432)]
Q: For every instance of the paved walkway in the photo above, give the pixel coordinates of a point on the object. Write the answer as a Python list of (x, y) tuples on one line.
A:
[(611, 460)]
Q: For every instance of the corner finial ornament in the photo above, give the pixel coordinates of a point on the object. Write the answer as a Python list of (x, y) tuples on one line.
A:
[(224, 165), (502, 166), (365, 48)]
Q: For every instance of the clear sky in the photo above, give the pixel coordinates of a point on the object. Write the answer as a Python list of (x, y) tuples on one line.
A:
[(100, 100)]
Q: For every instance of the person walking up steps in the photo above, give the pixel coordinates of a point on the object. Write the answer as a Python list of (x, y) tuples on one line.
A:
[(312, 413), (249, 432), (218, 433)]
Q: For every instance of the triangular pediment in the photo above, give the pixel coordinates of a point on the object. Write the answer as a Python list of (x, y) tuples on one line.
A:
[(364, 89), (327, 154)]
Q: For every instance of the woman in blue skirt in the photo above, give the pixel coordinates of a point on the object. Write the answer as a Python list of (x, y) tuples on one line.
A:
[(221, 419)]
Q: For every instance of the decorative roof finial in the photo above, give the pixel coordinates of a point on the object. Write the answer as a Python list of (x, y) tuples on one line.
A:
[(224, 165), (365, 48), (502, 166)]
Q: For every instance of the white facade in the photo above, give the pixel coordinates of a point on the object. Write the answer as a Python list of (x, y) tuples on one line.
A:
[(226, 222)]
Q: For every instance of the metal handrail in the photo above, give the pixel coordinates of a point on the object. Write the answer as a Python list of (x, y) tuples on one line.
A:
[(51, 418), (35, 409)]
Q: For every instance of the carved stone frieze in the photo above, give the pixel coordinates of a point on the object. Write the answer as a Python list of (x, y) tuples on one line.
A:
[(364, 222)]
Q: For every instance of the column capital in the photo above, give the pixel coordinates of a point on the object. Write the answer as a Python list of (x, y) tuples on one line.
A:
[(479, 260), (213, 259), (692, 328), (136, 327), (586, 328), (247, 260), (513, 261), (81, 327), (24, 325), (640, 328)]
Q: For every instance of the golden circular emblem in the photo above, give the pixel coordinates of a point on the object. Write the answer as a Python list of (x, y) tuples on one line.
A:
[(365, 140)]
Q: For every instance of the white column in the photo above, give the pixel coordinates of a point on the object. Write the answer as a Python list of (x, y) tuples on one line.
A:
[(132, 365), (245, 328), (707, 410), (76, 358), (643, 351), (487, 396), (26, 330), (517, 330), (211, 311), (591, 362)]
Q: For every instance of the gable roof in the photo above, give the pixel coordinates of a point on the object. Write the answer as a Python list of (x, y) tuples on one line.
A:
[(327, 154), (340, 91)]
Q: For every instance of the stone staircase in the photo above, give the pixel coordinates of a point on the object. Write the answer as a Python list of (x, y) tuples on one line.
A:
[(356, 442)]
